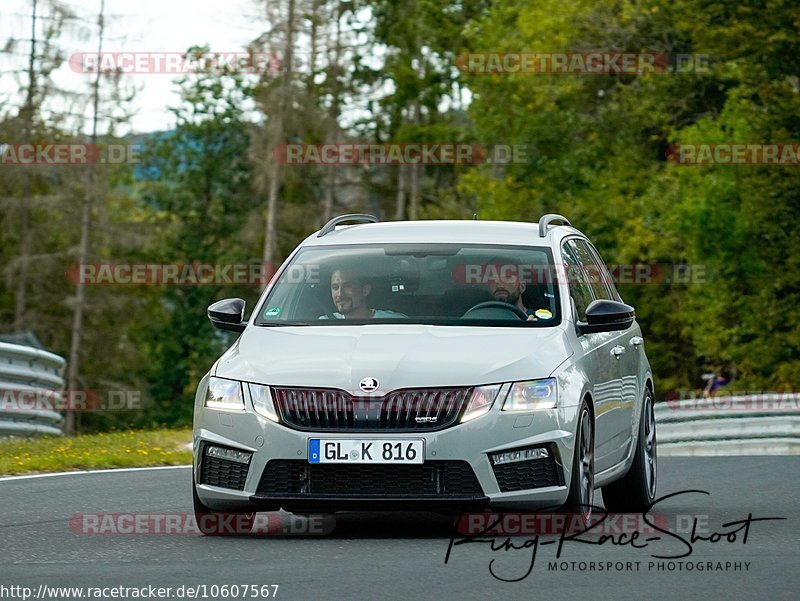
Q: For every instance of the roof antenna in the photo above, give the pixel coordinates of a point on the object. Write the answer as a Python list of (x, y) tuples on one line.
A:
[(474, 217)]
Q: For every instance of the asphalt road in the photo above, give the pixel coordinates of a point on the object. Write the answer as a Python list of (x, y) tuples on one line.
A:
[(401, 556)]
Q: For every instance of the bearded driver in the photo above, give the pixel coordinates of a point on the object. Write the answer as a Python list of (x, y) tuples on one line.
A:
[(508, 289)]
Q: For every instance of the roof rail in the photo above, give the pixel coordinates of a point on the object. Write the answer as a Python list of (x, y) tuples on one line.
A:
[(548, 219), (359, 217)]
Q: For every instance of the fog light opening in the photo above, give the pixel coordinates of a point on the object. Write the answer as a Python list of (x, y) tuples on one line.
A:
[(519, 455), (228, 454)]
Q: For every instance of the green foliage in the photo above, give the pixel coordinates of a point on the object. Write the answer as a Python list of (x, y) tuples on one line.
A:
[(198, 179), (600, 147), (597, 147)]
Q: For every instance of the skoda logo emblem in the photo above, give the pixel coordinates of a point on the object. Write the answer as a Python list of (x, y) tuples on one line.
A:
[(368, 384)]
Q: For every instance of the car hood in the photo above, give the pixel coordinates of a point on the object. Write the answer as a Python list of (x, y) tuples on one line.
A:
[(398, 356)]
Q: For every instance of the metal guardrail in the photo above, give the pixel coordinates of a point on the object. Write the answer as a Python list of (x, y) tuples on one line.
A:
[(744, 425), (29, 370)]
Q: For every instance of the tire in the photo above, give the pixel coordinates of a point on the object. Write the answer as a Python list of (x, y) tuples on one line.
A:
[(636, 490), (581, 487), (216, 523)]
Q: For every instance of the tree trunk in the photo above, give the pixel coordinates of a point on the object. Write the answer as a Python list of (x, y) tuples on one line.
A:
[(415, 175), (416, 169), (400, 206), (333, 119), (275, 178), (83, 247), (24, 205), (413, 211), (272, 213)]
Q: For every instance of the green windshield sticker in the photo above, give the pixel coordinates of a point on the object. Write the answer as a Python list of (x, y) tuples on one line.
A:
[(273, 312)]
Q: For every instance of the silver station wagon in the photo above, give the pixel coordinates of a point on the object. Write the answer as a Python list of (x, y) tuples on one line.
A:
[(442, 365)]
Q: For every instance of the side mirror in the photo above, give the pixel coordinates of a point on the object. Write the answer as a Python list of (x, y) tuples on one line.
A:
[(607, 316), (228, 314)]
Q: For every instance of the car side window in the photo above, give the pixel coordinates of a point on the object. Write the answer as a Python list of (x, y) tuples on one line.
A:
[(579, 289), (596, 273), (606, 275)]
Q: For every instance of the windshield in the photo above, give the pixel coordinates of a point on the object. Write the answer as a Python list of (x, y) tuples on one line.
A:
[(437, 284)]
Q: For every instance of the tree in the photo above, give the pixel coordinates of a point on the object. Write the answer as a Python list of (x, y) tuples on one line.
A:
[(198, 180), (46, 25), (79, 305), (599, 155)]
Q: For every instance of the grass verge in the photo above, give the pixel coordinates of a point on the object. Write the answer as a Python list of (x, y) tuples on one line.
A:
[(132, 448)]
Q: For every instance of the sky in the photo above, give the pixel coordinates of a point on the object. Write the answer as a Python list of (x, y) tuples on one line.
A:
[(133, 26)]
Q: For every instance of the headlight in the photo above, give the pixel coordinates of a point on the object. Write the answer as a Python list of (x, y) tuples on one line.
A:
[(532, 395), (262, 401), (224, 394), (480, 402)]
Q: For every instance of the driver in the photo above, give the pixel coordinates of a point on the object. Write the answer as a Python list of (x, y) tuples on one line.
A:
[(349, 293), (508, 289)]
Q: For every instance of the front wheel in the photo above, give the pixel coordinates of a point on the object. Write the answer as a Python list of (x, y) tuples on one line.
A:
[(216, 523), (581, 487), (636, 490)]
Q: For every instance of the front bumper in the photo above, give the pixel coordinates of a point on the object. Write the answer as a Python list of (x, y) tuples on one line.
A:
[(469, 443)]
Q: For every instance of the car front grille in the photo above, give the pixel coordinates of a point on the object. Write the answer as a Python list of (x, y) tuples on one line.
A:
[(412, 410), (434, 479), (223, 473), (523, 475)]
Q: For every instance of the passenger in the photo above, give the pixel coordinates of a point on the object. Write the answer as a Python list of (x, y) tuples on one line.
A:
[(715, 381), (349, 294)]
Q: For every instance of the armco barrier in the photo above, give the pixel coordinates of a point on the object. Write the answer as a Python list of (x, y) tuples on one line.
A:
[(766, 428), (25, 368)]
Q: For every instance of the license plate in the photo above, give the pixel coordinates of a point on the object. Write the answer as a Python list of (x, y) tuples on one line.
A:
[(325, 450)]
